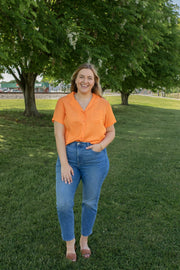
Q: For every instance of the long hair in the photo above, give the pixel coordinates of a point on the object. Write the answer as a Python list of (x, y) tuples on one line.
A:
[(96, 88)]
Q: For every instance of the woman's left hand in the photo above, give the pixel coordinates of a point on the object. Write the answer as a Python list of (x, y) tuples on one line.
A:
[(96, 147)]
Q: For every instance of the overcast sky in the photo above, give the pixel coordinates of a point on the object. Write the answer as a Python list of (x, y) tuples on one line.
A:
[(176, 2), (8, 77)]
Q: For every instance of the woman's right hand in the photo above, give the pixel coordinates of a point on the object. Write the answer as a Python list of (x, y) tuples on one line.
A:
[(66, 173)]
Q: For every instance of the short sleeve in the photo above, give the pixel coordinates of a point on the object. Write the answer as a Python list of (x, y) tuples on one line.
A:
[(59, 112), (109, 117)]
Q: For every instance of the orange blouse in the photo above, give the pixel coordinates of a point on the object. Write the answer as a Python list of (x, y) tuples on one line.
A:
[(87, 125)]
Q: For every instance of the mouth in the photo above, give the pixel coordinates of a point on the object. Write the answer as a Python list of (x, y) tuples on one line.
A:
[(84, 86)]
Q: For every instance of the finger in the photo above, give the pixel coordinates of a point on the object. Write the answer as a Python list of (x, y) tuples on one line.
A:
[(89, 147), (69, 177), (64, 179), (72, 171), (62, 176), (69, 180)]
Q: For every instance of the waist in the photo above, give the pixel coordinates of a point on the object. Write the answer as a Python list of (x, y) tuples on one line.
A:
[(77, 143), (78, 154)]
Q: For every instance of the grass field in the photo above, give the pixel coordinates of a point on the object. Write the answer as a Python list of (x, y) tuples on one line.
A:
[(138, 221)]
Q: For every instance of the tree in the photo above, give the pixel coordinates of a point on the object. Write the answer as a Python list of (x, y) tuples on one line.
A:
[(19, 39), (162, 66), (26, 43), (52, 37), (46, 37), (145, 50), (125, 36)]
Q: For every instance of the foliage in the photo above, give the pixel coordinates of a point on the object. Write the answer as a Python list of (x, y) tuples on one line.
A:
[(24, 44), (163, 66), (122, 38), (146, 47)]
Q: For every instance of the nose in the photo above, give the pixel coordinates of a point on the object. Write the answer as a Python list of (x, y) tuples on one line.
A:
[(85, 80)]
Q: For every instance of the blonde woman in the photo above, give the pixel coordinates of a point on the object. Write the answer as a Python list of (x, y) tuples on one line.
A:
[(84, 127)]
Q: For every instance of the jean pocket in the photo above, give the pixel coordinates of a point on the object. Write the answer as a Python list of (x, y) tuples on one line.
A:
[(96, 151)]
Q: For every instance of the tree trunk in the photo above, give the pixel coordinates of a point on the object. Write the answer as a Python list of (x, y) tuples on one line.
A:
[(29, 95), (124, 98)]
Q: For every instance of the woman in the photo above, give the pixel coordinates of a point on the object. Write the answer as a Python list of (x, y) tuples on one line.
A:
[(84, 126)]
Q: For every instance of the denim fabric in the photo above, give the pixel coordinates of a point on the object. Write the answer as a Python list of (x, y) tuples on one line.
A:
[(90, 167)]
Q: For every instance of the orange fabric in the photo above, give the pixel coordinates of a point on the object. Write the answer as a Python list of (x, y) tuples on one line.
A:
[(87, 125)]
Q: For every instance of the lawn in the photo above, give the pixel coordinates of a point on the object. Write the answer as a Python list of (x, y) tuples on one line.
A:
[(138, 221)]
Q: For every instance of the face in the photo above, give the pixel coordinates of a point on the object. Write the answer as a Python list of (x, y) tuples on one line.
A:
[(85, 81)]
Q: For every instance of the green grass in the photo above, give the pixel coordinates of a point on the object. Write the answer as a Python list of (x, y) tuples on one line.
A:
[(138, 221)]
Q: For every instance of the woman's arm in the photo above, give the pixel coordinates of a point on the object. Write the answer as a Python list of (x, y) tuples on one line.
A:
[(110, 134), (66, 169)]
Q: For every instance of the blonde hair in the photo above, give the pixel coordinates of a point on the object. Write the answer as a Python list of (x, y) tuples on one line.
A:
[(96, 88)]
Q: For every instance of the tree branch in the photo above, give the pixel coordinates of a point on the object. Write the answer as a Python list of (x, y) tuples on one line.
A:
[(19, 72), (13, 74)]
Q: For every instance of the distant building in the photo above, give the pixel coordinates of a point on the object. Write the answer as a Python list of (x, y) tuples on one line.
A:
[(14, 87), (61, 87)]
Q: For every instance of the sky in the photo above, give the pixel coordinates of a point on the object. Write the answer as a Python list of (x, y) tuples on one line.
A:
[(176, 2), (8, 77)]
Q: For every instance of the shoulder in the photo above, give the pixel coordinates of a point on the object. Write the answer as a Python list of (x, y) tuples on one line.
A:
[(65, 98), (102, 101)]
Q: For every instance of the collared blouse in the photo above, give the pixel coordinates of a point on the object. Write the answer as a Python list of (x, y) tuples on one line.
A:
[(87, 125)]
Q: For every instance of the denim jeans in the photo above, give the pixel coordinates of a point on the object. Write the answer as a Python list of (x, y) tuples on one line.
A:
[(90, 167)]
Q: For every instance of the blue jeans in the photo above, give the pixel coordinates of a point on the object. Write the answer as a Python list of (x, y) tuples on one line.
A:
[(90, 167)]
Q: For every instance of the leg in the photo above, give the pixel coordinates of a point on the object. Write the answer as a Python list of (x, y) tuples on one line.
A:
[(65, 202), (93, 176)]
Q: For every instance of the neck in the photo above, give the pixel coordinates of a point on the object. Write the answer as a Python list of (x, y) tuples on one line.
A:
[(83, 96)]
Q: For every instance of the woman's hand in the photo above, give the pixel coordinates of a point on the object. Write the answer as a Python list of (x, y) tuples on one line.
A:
[(66, 173), (96, 147), (110, 134)]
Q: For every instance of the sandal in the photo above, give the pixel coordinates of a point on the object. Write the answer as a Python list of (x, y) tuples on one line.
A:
[(71, 256), (86, 253)]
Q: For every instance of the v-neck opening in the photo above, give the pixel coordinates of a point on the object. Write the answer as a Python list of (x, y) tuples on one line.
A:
[(90, 102)]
